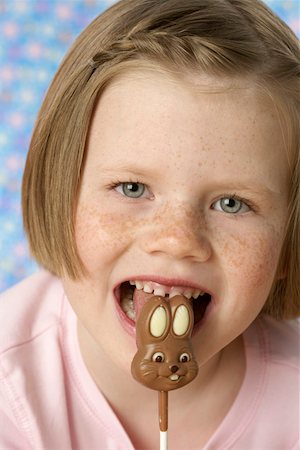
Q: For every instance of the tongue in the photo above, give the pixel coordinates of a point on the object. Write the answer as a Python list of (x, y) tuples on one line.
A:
[(139, 299)]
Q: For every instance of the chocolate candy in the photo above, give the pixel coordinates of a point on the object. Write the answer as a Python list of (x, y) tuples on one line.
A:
[(164, 360)]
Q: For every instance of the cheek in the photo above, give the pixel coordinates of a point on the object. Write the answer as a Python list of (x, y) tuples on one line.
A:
[(99, 233), (252, 257)]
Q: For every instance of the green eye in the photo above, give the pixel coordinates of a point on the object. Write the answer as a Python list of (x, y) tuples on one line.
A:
[(132, 190), (231, 205)]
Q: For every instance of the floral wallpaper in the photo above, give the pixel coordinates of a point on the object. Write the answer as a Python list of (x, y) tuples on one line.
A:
[(35, 35)]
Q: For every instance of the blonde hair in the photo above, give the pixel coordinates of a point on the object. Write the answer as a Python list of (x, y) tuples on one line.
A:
[(240, 38)]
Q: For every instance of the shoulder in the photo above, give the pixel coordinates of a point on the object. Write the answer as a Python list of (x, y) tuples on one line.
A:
[(28, 308), (275, 370), (32, 365), (281, 341), (270, 392)]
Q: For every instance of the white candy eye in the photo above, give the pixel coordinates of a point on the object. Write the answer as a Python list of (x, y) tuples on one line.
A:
[(184, 357), (158, 357)]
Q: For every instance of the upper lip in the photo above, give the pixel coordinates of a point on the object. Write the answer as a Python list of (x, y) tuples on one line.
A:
[(170, 282)]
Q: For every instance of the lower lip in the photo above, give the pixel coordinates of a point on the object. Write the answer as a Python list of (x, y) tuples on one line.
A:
[(129, 325)]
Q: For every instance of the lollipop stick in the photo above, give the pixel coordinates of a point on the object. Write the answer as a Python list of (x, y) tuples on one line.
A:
[(163, 419), (163, 440)]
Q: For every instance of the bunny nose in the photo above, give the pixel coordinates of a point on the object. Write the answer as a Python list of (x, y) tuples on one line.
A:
[(174, 369)]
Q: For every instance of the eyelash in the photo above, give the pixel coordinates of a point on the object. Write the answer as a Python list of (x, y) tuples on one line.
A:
[(228, 195)]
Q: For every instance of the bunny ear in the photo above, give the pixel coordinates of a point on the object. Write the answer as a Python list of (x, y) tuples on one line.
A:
[(183, 316), (153, 324), (158, 322), (181, 321)]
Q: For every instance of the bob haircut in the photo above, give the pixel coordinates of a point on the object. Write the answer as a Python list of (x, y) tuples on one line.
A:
[(225, 38)]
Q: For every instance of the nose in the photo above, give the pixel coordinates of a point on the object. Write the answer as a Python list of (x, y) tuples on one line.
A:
[(180, 236), (174, 369)]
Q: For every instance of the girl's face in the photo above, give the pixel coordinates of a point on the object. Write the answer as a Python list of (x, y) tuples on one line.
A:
[(184, 188)]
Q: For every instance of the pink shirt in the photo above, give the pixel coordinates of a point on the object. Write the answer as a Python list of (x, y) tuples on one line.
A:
[(49, 401)]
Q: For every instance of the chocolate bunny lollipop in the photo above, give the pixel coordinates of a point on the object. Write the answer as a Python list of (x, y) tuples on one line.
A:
[(164, 360)]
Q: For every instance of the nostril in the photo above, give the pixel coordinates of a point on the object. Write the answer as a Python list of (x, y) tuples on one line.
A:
[(174, 369)]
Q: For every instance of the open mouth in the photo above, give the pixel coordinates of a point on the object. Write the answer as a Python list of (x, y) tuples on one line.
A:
[(134, 294)]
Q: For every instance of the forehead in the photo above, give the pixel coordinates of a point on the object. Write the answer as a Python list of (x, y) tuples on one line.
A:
[(152, 113), (142, 91)]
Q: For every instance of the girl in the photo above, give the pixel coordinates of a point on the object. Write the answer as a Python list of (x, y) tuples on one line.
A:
[(165, 160)]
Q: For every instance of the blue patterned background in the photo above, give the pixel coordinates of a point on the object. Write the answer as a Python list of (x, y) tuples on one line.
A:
[(35, 35)]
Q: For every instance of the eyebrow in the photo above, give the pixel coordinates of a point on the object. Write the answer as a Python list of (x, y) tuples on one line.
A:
[(130, 170), (251, 186)]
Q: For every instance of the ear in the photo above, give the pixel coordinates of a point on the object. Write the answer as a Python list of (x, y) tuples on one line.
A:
[(153, 324), (182, 317)]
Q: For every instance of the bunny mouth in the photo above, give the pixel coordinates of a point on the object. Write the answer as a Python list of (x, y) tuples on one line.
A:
[(133, 296)]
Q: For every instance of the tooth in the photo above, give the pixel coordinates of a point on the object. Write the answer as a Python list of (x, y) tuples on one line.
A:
[(174, 292), (159, 291), (131, 314), (202, 293), (147, 288), (196, 294), (174, 377), (187, 294), (139, 285), (132, 283), (127, 304)]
